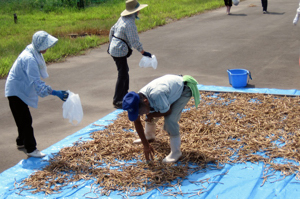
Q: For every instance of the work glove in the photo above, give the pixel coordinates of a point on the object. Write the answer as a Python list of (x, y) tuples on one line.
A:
[(147, 54), (63, 95)]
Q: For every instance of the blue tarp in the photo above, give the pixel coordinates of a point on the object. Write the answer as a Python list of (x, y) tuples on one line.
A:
[(240, 181)]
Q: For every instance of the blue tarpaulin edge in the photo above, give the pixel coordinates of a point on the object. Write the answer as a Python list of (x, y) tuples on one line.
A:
[(272, 91), (242, 181)]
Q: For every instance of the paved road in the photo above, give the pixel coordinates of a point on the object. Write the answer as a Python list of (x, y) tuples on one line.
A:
[(204, 46)]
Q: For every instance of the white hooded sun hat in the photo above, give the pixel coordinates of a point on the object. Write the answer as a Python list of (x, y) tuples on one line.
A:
[(41, 40)]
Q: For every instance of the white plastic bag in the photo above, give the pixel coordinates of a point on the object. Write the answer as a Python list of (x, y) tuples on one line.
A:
[(235, 2), (72, 108), (148, 62)]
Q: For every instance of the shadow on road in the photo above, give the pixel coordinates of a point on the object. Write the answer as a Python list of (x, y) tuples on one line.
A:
[(242, 15), (250, 86), (276, 13)]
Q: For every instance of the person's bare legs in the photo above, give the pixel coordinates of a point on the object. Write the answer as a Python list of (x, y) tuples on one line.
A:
[(228, 10)]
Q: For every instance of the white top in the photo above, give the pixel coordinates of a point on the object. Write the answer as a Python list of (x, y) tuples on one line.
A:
[(163, 91)]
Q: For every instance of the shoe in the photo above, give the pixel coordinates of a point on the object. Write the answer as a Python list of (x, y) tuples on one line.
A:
[(265, 12), (36, 153), (118, 105), (20, 146)]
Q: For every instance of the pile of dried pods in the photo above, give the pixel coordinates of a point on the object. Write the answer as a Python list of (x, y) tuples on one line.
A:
[(226, 128)]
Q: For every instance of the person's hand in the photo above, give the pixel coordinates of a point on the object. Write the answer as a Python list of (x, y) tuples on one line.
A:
[(63, 95), (148, 118), (147, 54), (149, 153)]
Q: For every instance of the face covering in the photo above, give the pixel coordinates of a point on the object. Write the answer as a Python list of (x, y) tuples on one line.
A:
[(136, 13), (136, 16)]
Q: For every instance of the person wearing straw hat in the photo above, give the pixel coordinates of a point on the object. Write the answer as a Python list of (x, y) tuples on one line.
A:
[(24, 85), (165, 97), (123, 37)]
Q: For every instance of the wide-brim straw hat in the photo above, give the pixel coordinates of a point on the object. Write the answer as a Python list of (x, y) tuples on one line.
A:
[(132, 6)]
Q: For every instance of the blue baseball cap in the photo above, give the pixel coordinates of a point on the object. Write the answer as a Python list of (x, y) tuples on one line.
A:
[(131, 103)]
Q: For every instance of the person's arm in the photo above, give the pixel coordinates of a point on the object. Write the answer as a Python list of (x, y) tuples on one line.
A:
[(32, 69), (111, 33), (161, 104), (40, 86), (148, 150), (150, 116), (134, 40), (133, 37)]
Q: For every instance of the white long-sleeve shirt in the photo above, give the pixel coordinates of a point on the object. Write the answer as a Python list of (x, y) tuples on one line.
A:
[(24, 80)]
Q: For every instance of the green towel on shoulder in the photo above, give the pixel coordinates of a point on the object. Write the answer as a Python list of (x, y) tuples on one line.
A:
[(192, 83)]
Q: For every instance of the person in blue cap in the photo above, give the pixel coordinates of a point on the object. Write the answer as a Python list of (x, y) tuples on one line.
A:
[(165, 97), (24, 85)]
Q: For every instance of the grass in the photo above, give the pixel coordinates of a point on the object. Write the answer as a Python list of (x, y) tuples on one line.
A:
[(61, 20)]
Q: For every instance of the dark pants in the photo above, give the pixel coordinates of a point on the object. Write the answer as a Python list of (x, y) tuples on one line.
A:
[(122, 84), (23, 121), (228, 2), (264, 4)]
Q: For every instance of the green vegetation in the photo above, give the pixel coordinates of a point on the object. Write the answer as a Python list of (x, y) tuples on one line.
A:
[(62, 18)]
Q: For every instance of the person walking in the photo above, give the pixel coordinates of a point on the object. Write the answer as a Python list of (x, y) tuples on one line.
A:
[(123, 37), (24, 85), (264, 4), (228, 4), (165, 97)]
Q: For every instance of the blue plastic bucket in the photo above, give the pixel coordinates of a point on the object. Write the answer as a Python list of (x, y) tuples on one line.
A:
[(238, 78)]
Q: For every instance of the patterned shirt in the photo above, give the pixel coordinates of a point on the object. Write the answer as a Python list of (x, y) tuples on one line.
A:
[(125, 29), (163, 91), (24, 80)]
